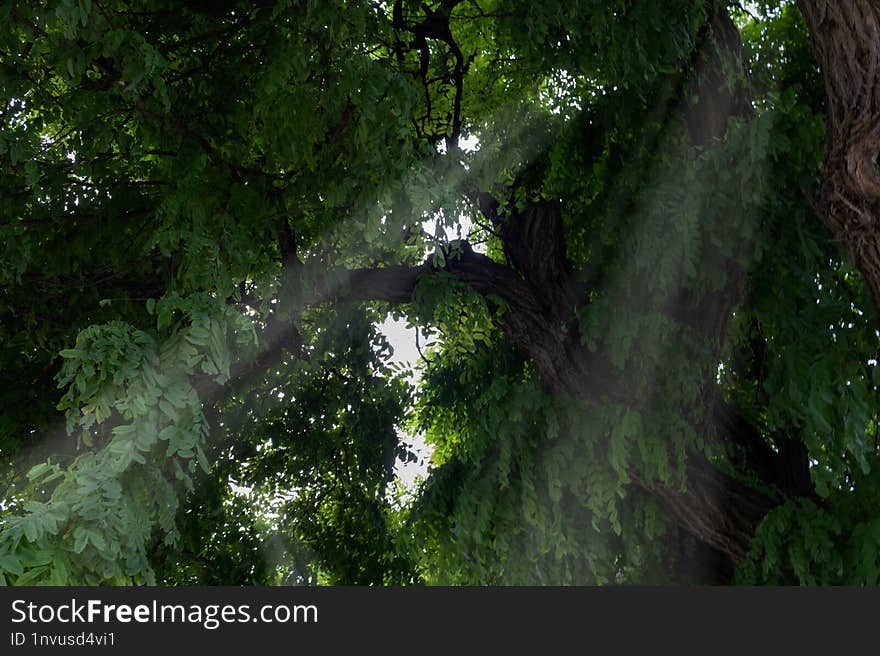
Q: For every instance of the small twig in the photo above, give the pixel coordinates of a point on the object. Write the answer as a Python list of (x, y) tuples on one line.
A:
[(419, 349)]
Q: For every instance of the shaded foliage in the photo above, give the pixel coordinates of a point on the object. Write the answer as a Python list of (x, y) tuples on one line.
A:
[(650, 359)]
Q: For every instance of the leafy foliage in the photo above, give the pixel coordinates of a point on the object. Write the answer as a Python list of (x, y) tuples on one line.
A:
[(194, 387)]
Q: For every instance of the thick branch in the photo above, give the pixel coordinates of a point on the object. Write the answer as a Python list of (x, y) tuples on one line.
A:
[(534, 243), (526, 321)]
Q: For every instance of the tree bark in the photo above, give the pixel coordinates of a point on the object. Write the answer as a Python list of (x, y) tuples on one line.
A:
[(846, 40), (713, 507)]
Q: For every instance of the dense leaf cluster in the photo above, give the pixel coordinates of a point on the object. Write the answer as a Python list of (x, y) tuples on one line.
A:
[(196, 200)]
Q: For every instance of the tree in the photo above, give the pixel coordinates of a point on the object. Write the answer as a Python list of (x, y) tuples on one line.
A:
[(641, 233)]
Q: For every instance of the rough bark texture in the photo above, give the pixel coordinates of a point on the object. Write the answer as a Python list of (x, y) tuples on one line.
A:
[(713, 507), (846, 41)]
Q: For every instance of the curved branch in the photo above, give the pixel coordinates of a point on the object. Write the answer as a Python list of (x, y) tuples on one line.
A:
[(526, 320)]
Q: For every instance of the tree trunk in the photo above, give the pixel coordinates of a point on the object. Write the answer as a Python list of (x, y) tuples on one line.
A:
[(846, 41), (713, 507)]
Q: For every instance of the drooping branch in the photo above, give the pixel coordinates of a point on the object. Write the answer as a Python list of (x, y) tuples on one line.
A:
[(714, 507)]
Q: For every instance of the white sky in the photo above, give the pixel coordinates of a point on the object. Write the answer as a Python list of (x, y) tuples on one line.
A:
[(403, 341)]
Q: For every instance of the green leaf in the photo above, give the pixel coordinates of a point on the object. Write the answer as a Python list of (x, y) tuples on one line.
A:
[(81, 539), (203, 459), (31, 576), (38, 470), (11, 564)]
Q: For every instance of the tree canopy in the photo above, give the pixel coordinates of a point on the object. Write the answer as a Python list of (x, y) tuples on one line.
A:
[(643, 235)]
